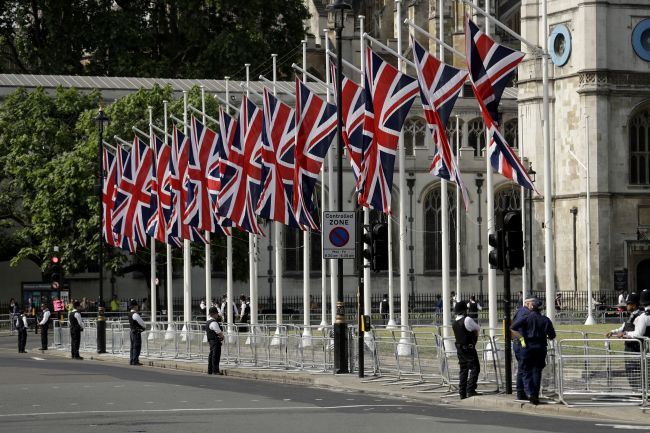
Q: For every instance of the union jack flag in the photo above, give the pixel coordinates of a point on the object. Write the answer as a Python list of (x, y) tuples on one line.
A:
[(109, 166), (315, 129), (440, 85), (278, 158), (161, 195), (490, 67), (242, 169), (353, 112), (389, 95), (133, 200), (121, 158), (178, 167), (199, 212)]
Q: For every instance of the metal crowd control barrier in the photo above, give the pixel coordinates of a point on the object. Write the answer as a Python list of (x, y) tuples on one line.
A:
[(602, 371)]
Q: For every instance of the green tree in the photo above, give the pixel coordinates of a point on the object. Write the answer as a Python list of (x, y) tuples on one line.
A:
[(160, 38)]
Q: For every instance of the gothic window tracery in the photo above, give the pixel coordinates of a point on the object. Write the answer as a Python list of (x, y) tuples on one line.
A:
[(476, 136), (639, 135), (433, 229)]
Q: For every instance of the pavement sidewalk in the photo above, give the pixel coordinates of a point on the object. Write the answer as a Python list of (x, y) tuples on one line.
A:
[(352, 383)]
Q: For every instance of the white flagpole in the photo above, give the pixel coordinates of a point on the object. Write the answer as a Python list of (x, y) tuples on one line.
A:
[(279, 245), (152, 296), (403, 348), (170, 295), (187, 255), (444, 211), (229, 301), (458, 214), (306, 248), (208, 257), (252, 238), (590, 318), (330, 182), (367, 290), (323, 262), (489, 187)]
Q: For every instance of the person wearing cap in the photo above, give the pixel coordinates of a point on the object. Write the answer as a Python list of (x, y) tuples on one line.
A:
[(215, 337), (76, 327), (536, 330), (137, 326), (466, 332), (522, 311), (634, 327), (20, 322), (44, 323)]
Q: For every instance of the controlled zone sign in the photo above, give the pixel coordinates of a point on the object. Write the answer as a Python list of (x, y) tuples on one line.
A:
[(339, 235)]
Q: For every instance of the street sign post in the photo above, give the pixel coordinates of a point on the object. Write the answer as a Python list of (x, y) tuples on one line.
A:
[(339, 235)]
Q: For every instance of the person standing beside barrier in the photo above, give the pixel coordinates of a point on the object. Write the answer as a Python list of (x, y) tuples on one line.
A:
[(137, 326), (13, 312), (45, 326), (76, 327), (473, 307), (522, 311), (645, 303), (214, 335), (466, 332), (535, 330), (633, 328), (384, 309), (21, 327)]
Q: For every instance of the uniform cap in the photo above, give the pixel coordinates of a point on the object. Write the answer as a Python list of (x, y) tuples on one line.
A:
[(645, 297), (213, 310), (632, 298), (134, 303), (460, 307)]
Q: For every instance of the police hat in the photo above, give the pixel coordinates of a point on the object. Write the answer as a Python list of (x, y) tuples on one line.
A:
[(536, 303), (213, 310), (645, 297), (134, 303), (632, 298), (460, 307)]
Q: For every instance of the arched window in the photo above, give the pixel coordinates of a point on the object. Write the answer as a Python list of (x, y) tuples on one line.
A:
[(508, 198), (510, 133), (476, 136), (451, 133), (415, 131), (640, 147), (433, 229), (293, 242)]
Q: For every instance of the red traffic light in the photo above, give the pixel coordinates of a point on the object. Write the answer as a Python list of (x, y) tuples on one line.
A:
[(55, 260)]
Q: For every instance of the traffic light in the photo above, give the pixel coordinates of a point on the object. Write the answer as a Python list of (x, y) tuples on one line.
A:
[(367, 244), (56, 271), (513, 240), (496, 258), (379, 247)]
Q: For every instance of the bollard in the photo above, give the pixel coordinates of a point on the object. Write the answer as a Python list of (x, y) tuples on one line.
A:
[(101, 331)]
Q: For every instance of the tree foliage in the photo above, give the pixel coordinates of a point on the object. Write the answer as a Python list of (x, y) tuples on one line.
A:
[(159, 38)]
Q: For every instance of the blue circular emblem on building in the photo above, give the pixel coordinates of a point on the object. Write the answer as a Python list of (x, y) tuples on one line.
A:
[(559, 45), (641, 39)]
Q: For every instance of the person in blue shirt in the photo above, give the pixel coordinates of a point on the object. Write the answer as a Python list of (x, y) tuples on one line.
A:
[(535, 330), (522, 311)]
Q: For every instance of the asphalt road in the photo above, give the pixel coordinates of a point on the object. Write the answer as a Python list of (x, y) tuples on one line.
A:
[(42, 393)]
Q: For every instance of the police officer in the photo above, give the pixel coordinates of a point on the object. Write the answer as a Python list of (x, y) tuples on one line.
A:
[(76, 327), (384, 309), (634, 327), (645, 302), (466, 332), (20, 321), (535, 330), (473, 307), (45, 326), (137, 326), (522, 311), (215, 337)]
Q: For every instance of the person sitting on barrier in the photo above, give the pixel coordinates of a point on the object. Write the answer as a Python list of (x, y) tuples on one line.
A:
[(21, 325), (522, 311), (535, 330), (633, 328), (466, 332), (137, 326), (76, 326), (215, 337)]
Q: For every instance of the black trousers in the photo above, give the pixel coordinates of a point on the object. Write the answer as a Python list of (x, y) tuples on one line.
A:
[(521, 389), (75, 341), (470, 367), (22, 339), (44, 330), (214, 357), (533, 361), (136, 347)]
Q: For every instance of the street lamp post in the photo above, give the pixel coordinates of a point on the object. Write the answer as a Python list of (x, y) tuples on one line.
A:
[(338, 8), (529, 266), (101, 121)]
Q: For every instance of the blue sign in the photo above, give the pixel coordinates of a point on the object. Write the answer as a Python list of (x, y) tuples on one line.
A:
[(339, 237)]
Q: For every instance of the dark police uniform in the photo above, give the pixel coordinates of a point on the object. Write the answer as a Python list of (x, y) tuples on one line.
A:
[(516, 347), (45, 327), (465, 331), (214, 335), (535, 329), (74, 318), (21, 327), (137, 326)]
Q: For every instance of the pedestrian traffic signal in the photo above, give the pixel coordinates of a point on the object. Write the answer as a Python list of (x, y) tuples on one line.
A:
[(513, 240), (379, 247), (56, 272), (496, 254)]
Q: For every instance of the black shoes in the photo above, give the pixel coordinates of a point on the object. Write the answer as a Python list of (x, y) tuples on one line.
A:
[(78, 357), (136, 363), (534, 400)]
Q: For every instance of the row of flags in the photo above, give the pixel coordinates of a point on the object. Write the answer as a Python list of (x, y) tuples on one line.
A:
[(266, 161)]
